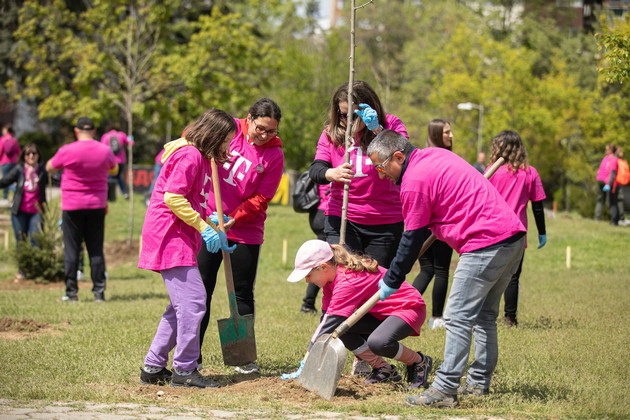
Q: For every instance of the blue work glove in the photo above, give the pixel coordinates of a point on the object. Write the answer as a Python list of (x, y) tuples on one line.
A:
[(606, 188), (215, 218), (542, 241), (368, 115), (386, 291), (216, 240), (293, 375)]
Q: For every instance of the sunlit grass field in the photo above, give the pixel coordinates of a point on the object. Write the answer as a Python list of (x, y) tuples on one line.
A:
[(567, 358)]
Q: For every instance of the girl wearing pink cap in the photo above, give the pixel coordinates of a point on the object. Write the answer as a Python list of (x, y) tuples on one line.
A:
[(519, 183), (348, 280)]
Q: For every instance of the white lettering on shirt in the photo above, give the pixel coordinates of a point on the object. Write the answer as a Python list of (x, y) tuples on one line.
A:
[(235, 167)]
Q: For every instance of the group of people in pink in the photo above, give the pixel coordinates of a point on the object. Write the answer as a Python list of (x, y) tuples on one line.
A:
[(612, 178)]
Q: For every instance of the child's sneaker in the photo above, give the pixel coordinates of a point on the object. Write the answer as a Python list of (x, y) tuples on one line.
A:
[(418, 373), (248, 369), (162, 377), (384, 374), (195, 379), (360, 367), (436, 322)]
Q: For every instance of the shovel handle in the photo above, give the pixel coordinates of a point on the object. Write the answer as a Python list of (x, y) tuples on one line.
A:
[(227, 263), (487, 175), (357, 315)]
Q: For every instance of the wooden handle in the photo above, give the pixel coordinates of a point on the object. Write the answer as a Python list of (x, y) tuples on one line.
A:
[(496, 165), (227, 263), (357, 315)]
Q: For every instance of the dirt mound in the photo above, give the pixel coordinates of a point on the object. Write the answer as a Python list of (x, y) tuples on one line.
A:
[(21, 325)]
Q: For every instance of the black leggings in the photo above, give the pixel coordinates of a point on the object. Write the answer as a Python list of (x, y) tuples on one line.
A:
[(316, 221), (435, 261), (511, 292), (382, 336), (244, 261), (378, 241)]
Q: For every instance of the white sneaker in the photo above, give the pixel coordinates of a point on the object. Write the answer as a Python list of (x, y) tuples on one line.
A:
[(80, 275), (361, 367), (248, 369), (437, 322)]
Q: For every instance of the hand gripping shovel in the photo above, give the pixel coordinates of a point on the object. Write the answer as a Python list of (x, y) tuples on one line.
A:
[(327, 357), (238, 343)]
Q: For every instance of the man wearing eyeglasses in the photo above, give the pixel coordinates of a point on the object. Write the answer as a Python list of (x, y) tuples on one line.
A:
[(86, 163), (441, 191)]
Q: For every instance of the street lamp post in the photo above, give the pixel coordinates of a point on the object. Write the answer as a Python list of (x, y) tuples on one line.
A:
[(468, 106)]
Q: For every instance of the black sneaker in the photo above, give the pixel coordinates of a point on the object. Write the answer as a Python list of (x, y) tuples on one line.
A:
[(71, 299), (418, 373), (195, 379), (384, 374), (99, 297), (308, 309), (511, 321), (468, 389), (162, 377), (433, 397)]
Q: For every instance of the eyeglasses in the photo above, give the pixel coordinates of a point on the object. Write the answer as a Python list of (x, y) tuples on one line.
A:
[(261, 130), (380, 167)]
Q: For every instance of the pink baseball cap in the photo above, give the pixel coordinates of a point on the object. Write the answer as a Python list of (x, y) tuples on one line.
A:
[(311, 254)]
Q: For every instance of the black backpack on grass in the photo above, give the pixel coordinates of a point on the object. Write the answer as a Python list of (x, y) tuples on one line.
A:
[(306, 194)]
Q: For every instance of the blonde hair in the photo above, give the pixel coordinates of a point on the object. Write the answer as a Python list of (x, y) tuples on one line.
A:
[(352, 261)]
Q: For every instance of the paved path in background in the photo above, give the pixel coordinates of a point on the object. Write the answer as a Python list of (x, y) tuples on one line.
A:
[(85, 410)]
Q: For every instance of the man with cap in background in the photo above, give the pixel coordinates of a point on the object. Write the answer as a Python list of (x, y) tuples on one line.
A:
[(86, 163)]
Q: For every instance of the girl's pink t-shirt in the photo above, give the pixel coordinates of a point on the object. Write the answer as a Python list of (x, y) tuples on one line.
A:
[(371, 200), (30, 197), (251, 170), (86, 165), (351, 289), (443, 192), (609, 164), (518, 188), (167, 241)]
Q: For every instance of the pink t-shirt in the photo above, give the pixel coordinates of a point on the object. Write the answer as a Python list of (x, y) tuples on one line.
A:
[(445, 193), (158, 157), (167, 241), (9, 149), (369, 196), (609, 164), (85, 164), (351, 289), (518, 188), (251, 170), (30, 196), (123, 140), (324, 195)]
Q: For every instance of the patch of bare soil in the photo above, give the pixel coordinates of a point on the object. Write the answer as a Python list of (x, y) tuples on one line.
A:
[(15, 329), (121, 252), (23, 284)]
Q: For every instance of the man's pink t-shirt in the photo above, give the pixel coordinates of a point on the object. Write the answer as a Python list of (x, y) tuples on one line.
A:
[(518, 188), (167, 241), (371, 200), (30, 196), (123, 140), (351, 289), (250, 170), (85, 164), (443, 192), (9, 149), (609, 164)]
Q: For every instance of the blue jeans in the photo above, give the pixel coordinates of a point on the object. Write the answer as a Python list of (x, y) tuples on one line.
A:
[(472, 310), (6, 168), (24, 225)]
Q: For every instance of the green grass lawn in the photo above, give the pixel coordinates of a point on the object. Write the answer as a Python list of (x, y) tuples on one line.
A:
[(567, 358)]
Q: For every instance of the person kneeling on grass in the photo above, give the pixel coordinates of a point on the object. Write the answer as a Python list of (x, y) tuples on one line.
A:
[(441, 191), (348, 281)]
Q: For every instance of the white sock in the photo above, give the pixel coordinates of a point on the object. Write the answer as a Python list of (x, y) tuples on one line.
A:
[(151, 369), (183, 372)]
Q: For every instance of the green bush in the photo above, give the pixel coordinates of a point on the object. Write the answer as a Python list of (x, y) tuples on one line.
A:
[(43, 262)]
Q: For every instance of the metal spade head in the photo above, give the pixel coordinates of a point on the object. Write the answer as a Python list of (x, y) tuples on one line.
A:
[(323, 366), (238, 342)]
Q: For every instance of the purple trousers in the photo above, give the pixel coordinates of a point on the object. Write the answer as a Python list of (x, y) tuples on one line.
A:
[(180, 323)]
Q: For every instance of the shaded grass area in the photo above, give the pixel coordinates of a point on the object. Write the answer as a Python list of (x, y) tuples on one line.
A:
[(568, 358)]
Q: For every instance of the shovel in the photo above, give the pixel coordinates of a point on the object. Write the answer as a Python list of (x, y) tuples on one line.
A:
[(236, 333), (327, 357)]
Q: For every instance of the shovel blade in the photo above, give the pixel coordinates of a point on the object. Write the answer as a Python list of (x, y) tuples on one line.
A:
[(238, 342), (323, 366)]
